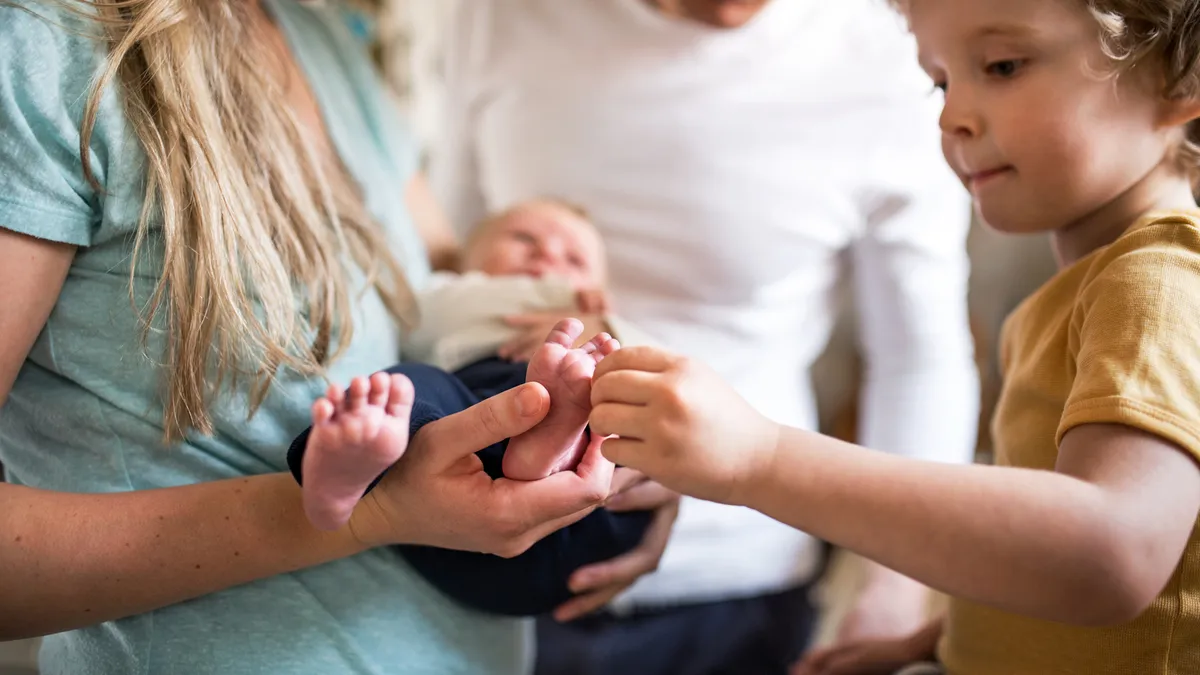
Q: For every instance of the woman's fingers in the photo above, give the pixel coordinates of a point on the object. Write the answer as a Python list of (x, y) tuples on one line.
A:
[(543, 506), (500, 417)]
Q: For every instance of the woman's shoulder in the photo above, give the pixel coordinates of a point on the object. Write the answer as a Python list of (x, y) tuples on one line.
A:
[(49, 39), (50, 55)]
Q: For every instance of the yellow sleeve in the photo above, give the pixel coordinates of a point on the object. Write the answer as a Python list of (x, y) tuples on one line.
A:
[(1135, 336)]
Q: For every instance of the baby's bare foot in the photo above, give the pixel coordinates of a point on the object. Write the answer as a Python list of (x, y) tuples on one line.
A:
[(355, 436), (558, 442)]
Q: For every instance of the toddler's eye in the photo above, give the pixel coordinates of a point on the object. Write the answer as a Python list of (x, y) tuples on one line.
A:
[(1005, 69)]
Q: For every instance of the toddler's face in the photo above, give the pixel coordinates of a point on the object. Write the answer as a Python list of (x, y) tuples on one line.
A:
[(540, 239), (1034, 123)]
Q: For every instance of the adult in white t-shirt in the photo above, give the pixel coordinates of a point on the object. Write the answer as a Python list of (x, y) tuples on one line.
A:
[(736, 155)]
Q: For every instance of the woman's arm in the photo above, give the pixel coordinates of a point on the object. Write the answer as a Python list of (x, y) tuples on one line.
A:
[(32, 272), (434, 227), (71, 560)]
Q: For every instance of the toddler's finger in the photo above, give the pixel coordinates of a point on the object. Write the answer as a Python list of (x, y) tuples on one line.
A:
[(619, 419), (633, 387)]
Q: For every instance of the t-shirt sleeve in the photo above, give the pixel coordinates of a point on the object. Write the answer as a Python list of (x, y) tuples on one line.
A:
[(1135, 333), (45, 80)]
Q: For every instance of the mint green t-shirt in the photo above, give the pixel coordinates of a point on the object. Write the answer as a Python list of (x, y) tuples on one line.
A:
[(85, 415)]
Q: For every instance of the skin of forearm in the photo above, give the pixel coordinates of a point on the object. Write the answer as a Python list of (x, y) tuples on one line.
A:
[(72, 560), (979, 533)]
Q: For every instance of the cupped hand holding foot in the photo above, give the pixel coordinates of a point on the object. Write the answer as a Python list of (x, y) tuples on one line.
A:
[(437, 494)]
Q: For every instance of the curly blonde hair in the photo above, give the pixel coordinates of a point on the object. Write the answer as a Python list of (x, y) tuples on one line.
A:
[(1166, 34)]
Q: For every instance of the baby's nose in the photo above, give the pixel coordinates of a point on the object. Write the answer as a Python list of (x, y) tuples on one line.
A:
[(552, 249)]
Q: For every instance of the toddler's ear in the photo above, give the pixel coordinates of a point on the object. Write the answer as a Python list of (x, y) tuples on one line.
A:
[(1178, 111)]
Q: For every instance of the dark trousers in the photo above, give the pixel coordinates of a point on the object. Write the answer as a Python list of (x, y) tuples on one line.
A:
[(753, 636)]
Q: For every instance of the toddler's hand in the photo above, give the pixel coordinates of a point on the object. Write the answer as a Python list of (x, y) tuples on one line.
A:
[(680, 424)]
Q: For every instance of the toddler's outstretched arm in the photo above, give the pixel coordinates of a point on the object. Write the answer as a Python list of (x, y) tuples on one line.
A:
[(1092, 542)]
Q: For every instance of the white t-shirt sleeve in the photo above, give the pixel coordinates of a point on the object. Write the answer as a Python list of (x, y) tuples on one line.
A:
[(452, 160), (921, 392)]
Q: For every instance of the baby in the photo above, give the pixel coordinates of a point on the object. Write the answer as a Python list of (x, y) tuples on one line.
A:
[(538, 256)]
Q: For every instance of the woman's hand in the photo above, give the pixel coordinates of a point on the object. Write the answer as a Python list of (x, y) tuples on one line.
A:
[(680, 424), (599, 583), (438, 494), (534, 328)]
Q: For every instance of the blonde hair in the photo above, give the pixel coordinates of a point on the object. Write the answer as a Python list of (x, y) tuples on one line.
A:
[(259, 239), (1165, 35)]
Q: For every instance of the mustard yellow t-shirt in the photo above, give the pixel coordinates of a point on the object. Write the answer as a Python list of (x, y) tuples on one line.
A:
[(1114, 338)]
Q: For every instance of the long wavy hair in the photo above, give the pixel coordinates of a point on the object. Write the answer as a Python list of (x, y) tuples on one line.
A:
[(260, 237)]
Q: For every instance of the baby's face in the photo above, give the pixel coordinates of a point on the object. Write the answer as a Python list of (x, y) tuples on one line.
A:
[(540, 239)]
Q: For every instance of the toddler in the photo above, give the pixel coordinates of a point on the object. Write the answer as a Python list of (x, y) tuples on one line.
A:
[(1080, 551)]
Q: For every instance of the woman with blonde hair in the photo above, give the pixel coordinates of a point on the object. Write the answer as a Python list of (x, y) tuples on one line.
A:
[(202, 223)]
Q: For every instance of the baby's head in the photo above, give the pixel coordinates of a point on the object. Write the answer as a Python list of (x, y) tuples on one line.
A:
[(539, 238), (1057, 109)]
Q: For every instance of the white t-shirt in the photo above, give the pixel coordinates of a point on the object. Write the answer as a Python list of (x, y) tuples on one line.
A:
[(733, 175)]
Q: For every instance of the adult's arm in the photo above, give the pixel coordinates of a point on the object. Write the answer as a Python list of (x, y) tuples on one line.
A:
[(453, 168), (435, 228), (71, 560), (920, 395)]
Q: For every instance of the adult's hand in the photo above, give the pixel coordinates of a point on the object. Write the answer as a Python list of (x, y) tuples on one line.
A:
[(890, 605), (534, 327), (872, 657), (439, 495), (597, 584)]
